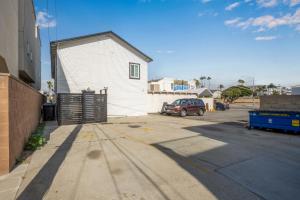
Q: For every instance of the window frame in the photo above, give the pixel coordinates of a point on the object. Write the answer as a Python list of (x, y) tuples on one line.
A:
[(139, 68)]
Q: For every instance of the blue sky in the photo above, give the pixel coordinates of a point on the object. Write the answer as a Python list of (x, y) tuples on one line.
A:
[(226, 40)]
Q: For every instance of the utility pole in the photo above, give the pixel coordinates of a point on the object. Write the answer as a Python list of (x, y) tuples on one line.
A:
[(253, 83)]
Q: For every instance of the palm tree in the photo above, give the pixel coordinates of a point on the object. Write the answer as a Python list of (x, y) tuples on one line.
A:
[(221, 87), (241, 81), (50, 89), (208, 78), (271, 88), (197, 83), (202, 78), (50, 86), (264, 88), (258, 90)]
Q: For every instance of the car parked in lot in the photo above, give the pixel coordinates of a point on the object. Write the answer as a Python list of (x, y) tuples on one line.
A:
[(221, 106), (185, 107)]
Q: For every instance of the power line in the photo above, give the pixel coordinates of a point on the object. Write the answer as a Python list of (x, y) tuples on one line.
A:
[(47, 2), (56, 17)]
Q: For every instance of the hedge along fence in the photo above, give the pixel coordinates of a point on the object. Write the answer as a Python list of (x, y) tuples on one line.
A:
[(20, 111), (157, 99)]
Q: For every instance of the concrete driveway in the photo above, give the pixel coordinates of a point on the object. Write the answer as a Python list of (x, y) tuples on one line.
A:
[(161, 157)]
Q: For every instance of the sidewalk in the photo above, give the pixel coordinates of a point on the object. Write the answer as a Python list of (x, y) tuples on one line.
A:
[(10, 183), (96, 161)]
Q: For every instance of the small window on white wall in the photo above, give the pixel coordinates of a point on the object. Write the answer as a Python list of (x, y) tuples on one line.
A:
[(134, 71)]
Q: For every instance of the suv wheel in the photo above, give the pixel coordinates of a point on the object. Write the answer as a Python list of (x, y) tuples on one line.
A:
[(183, 113), (200, 112)]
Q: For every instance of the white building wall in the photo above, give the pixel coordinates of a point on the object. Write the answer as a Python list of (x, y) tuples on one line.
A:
[(100, 62), (192, 84), (217, 94), (9, 34), (29, 43), (209, 103), (17, 28), (165, 84)]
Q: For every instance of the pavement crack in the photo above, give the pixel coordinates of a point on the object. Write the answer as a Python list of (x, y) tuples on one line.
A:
[(234, 163), (135, 165)]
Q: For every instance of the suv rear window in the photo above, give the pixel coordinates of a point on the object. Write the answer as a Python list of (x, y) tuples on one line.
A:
[(199, 102)]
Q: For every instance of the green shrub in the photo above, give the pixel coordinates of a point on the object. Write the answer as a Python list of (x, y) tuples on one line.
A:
[(36, 140), (233, 93)]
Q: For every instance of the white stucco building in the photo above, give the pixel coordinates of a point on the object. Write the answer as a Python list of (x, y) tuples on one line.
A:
[(20, 45), (170, 85), (103, 60)]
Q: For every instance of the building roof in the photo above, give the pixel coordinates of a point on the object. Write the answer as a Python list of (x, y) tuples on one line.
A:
[(155, 80), (110, 34), (202, 92)]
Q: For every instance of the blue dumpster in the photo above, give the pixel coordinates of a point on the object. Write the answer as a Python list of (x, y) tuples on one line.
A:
[(277, 120)]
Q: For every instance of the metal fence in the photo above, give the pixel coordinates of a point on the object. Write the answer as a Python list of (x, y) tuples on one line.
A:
[(86, 107)]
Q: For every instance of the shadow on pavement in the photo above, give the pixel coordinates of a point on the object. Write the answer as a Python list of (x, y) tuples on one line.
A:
[(25, 156), (233, 163), (41, 183)]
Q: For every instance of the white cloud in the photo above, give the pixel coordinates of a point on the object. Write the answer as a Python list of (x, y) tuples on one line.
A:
[(232, 21), (208, 13), (294, 2), (165, 51), (265, 38), (267, 21), (44, 20), (206, 1), (232, 6), (267, 3), (261, 29), (46, 62)]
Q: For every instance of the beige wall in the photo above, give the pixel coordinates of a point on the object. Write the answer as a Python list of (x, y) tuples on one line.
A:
[(156, 100), (20, 108), (29, 44), (280, 103), (9, 34), (4, 126), (18, 39)]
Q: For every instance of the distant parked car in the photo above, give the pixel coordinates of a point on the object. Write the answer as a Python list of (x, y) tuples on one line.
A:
[(185, 107), (222, 106)]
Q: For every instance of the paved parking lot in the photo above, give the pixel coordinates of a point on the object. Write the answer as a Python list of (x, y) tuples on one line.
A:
[(162, 157), (234, 115)]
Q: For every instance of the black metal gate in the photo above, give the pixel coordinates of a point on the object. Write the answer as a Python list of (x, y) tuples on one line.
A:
[(86, 107)]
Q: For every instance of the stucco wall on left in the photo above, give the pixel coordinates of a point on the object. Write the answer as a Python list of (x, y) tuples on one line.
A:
[(9, 34), (20, 111)]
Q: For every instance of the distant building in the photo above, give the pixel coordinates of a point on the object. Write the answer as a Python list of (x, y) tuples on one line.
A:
[(161, 85), (202, 92), (296, 90), (263, 90), (20, 41), (170, 85), (217, 94)]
